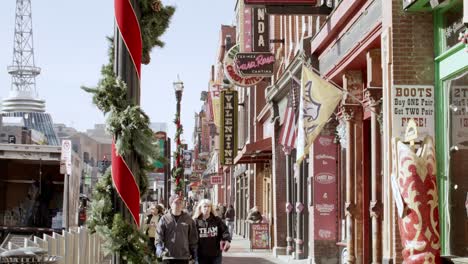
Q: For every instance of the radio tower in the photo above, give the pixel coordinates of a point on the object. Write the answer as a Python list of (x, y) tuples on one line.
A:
[(23, 100), (23, 95)]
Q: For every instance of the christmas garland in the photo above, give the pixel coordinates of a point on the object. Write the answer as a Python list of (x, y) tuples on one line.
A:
[(129, 126), (153, 23), (178, 170)]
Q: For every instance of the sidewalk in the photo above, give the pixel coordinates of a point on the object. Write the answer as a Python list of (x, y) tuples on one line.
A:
[(240, 253)]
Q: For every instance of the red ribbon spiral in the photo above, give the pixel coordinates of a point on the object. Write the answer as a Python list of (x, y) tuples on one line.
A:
[(122, 176)]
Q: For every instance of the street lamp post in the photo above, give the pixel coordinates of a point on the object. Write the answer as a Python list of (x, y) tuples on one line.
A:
[(178, 169)]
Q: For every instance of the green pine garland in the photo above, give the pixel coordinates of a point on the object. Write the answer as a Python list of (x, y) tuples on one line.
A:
[(178, 170), (129, 126), (153, 23)]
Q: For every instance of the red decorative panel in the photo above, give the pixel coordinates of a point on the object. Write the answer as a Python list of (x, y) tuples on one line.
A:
[(419, 224)]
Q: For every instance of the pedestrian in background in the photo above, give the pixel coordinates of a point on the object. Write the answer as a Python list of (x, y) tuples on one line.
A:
[(213, 234), (230, 216), (176, 240), (151, 223)]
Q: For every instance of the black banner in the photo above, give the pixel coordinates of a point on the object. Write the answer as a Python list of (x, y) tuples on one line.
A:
[(260, 30), (228, 133)]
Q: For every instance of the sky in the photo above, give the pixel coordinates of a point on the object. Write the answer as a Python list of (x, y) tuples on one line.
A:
[(70, 47)]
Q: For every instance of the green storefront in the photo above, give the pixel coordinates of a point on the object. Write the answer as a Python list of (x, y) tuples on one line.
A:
[(451, 69), (451, 84)]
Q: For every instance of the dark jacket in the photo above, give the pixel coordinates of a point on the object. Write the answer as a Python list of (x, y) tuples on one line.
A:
[(230, 214), (177, 239), (255, 216), (210, 233)]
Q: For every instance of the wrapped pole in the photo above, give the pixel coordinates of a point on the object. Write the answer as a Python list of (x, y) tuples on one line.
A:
[(127, 66)]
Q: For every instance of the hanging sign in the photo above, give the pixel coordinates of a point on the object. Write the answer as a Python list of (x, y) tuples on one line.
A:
[(231, 72), (228, 133), (260, 30), (187, 159), (160, 138), (281, 2), (324, 188), (247, 29), (413, 101), (216, 180), (255, 64)]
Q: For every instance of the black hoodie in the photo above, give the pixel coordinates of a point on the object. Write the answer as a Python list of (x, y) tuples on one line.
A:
[(210, 233)]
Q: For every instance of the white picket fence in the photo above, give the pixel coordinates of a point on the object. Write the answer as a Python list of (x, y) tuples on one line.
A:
[(76, 246)]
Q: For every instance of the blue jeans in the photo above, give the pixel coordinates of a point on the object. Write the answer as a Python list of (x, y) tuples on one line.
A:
[(210, 260), (230, 225)]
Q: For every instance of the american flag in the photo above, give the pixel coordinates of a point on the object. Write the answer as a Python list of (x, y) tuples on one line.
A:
[(289, 131)]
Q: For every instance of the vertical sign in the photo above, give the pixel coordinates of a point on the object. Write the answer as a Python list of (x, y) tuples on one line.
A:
[(324, 188), (260, 31), (187, 159), (216, 179), (247, 29), (459, 113), (160, 138), (413, 101), (228, 133)]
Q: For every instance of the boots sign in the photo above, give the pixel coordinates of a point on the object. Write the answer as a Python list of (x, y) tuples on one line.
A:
[(260, 31), (228, 133), (413, 102)]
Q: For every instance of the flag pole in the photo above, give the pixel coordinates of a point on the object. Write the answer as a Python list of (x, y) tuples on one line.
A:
[(306, 64)]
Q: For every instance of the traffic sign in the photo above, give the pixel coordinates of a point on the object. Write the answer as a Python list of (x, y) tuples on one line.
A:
[(65, 157)]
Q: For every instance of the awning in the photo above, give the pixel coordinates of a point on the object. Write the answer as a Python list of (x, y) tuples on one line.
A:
[(257, 152)]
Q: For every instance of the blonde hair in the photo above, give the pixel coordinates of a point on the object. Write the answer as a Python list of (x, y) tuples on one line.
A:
[(197, 212)]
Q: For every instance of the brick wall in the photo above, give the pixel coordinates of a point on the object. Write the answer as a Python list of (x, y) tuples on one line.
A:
[(279, 191), (325, 252), (413, 64), (413, 46)]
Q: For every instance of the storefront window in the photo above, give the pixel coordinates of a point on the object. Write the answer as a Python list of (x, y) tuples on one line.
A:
[(457, 198), (453, 25)]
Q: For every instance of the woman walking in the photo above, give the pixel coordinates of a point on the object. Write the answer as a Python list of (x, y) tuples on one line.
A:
[(213, 234), (151, 222)]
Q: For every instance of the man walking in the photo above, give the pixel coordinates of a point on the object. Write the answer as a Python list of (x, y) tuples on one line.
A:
[(177, 234), (230, 217)]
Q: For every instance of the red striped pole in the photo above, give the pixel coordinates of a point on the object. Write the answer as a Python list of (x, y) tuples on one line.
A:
[(127, 66)]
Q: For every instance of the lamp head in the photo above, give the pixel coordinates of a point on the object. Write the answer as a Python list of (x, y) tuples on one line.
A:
[(178, 85)]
